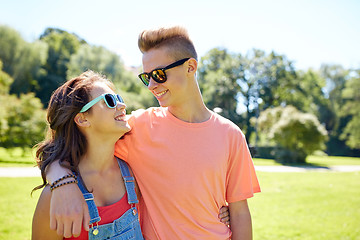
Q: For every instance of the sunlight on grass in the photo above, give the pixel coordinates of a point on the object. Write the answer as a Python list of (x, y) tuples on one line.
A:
[(16, 157), (17, 207), (307, 205), (314, 160)]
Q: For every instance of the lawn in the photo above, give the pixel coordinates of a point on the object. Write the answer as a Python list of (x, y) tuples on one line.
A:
[(323, 161), (17, 207), (17, 158), (307, 205)]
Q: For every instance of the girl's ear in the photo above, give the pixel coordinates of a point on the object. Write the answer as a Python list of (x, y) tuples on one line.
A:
[(81, 120)]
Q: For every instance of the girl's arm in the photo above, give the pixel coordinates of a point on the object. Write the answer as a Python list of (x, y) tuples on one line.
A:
[(41, 219)]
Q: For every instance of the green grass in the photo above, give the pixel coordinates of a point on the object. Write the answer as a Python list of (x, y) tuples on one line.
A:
[(306, 205), (17, 207), (16, 157), (310, 205), (323, 161)]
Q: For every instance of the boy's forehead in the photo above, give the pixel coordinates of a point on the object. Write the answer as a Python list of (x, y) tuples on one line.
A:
[(155, 59)]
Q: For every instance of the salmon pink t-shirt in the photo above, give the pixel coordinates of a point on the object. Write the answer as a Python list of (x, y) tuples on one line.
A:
[(186, 172)]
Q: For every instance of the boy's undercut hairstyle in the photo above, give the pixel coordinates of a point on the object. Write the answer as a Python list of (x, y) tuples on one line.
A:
[(176, 39)]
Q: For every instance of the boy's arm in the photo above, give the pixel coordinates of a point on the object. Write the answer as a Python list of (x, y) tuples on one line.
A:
[(240, 220), (68, 209)]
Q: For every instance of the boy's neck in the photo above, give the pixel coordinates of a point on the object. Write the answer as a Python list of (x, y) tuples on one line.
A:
[(192, 113)]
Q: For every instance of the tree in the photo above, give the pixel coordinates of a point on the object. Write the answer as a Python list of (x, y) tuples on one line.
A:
[(25, 121), (5, 82), (351, 108), (11, 45), (218, 74), (61, 45), (101, 60), (22, 120), (266, 81), (21, 60), (336, 77), (29, 68), (298, 134)]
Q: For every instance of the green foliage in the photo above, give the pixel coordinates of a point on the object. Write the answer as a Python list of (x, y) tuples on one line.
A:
[(351, 96), (29, 68), (299, 134), (309, 96), (11, 45), (218, 74), (256, 81), (22, 120), (101, 60), (22, 61), (98, 59), (23, 123), (17, 157), (61, 45), (237, 86), (5, 81), (335, 77)]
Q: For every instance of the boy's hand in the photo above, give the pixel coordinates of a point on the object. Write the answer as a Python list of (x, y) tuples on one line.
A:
[(68, 211)]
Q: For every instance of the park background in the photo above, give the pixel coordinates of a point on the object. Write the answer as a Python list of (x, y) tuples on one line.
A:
[(287, 73)]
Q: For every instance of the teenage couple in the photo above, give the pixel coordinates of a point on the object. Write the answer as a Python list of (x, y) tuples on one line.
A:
[(187, 160)]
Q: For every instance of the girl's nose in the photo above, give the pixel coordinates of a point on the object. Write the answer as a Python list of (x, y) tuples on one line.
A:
[(120, 105)]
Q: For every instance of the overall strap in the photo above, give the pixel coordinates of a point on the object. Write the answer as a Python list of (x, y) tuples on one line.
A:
[(129, 181), (89, 198)]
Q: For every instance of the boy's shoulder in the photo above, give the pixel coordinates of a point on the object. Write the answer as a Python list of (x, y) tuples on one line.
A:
[(220, 120), (146, 113)]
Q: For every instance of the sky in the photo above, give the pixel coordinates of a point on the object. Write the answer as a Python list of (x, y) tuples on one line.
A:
[(307, 32)]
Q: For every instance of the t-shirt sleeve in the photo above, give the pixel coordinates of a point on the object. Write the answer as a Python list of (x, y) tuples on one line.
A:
[(242, 181)]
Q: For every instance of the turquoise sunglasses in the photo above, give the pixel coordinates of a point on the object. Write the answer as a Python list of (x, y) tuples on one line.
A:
[(110, 100)]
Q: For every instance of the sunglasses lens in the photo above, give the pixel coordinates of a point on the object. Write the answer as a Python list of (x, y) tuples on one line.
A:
[(110, 100), (144, 78), (158, 75), (119, 98)]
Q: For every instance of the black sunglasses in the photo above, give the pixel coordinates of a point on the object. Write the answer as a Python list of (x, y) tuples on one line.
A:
[(159, 74)]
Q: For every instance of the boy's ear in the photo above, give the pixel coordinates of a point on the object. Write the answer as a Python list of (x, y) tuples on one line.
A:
[(192, 65), (81, 120)]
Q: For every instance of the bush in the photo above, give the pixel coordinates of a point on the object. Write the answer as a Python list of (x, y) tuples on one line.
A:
[(298, 134), (267, 152), (287, 156), (22, 119)]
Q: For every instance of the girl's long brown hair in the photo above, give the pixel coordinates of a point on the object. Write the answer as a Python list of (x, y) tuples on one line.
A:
[(65, 142)]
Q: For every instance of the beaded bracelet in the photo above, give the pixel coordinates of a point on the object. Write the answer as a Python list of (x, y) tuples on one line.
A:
[(62, 178), (62, 184)]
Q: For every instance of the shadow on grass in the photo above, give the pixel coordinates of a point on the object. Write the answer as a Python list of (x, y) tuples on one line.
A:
[(305, 165), (17, 162)]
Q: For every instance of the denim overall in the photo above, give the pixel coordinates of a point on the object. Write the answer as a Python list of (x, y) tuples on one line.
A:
[(123, 228)]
